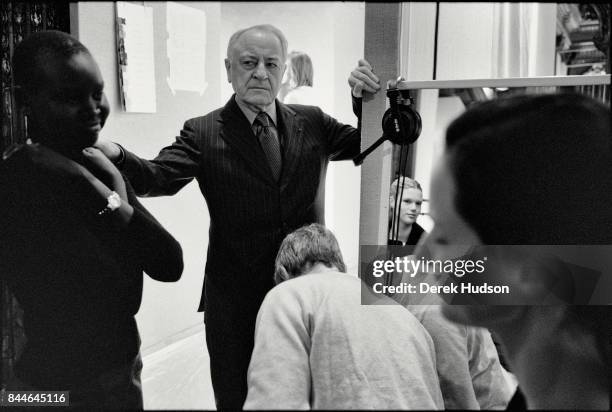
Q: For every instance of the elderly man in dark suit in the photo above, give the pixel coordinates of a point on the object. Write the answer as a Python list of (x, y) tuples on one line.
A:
[(260, 165)]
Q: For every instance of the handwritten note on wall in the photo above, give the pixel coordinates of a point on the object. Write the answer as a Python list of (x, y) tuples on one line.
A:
[(186, 47), (135, 57)]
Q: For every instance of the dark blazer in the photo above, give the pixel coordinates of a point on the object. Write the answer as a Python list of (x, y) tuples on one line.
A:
[(250, 213), (413, 238)]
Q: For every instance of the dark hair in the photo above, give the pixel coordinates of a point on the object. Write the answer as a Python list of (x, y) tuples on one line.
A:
[(534, 169), (301, 67), (35, 50), (305, 247)]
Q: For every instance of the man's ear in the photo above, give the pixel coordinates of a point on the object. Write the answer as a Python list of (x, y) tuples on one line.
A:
[(227, 69), (281, 275)]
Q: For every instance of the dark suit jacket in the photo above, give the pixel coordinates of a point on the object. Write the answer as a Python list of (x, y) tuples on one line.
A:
[(413, 238), (250, 213)]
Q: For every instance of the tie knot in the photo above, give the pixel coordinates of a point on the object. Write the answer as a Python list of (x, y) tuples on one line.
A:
[(263, 119)]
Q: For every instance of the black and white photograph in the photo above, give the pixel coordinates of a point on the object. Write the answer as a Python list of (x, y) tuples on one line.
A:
[(282, 205)]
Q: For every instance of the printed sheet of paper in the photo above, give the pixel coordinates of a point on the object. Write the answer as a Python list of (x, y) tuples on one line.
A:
[(135, 57), (186, 47)]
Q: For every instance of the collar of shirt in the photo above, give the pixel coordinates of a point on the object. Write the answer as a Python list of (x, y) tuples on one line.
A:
[(251, 115)]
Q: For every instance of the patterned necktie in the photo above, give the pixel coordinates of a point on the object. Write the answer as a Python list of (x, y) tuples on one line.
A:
[(269, 143)]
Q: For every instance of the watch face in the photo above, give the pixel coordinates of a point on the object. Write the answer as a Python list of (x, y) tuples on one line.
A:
[(114, 201)]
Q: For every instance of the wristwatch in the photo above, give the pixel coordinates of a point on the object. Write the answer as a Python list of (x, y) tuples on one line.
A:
[(114, 203)]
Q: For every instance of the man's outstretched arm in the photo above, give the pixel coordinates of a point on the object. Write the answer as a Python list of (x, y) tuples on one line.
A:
[(173, 168)]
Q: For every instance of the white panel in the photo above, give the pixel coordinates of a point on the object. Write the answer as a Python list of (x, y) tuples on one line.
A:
[(465, 40)]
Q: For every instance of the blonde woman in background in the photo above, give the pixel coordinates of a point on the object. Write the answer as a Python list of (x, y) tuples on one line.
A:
[(297, 85)]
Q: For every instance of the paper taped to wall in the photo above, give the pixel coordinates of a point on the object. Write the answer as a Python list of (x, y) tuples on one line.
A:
[(135, 58), (186, 47)]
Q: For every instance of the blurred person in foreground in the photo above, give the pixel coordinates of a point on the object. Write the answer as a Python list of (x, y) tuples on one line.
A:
[(532, 170)]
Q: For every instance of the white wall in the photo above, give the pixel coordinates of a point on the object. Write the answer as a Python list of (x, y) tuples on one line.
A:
[(465, 40), (166, 308), (343, 184), (491, 40)]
